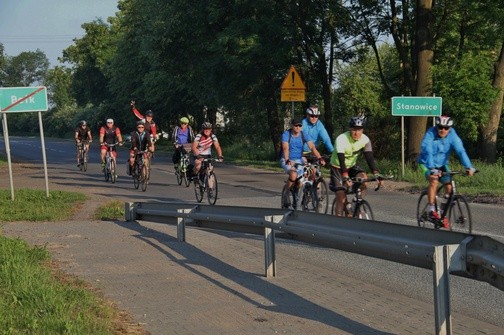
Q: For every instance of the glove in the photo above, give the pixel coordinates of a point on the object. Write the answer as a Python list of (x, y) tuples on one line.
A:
[(221, 158), (471, 171), (132, 103), (434, 172)]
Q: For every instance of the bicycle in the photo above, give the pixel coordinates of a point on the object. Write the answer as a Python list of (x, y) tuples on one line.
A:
[(314, 192), (141, 169), (453, 210), (357, 207), (206, 181), (110, 170), (83, 154), (181, 168)]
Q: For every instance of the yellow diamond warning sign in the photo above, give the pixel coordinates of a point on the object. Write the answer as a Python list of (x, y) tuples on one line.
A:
[(293, 88)]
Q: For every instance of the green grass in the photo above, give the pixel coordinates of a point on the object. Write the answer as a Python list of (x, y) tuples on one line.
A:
[(34, 205), (35, 300), (112, 210)]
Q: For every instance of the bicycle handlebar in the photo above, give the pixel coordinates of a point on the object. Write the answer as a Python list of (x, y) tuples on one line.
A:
[(452, 173)]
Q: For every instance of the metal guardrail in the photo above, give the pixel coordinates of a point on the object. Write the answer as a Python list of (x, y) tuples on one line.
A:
[(472, 256)]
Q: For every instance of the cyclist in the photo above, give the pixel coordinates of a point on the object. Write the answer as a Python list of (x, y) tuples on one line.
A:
[(182, 134), (202, 146), (109, 134), (292, 151), (150, 125), (315, 129), (348, 147), (82, 133), (437, 144), (140, 140)]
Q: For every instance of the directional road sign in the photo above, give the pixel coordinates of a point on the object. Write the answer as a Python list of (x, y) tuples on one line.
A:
[(23, 99), (417, 106)]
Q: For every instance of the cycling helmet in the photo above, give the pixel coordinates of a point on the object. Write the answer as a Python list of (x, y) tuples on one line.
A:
[(444, 121), (312, 110), (357, 121), (110, 121), (149, 113), (206, 125), (83, 123), (184, 120), (140, 123)]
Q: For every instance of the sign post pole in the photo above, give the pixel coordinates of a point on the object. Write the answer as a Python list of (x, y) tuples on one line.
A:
[(414, 106), (23, 99)]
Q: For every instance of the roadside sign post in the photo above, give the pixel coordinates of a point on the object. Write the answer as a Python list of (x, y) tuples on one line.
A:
[(293, 89), (23, 99), (414, 106)]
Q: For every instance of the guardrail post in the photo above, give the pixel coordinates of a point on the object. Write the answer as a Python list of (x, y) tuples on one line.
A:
[(269, 252), (130, 211), (181, 224), (441, 266)]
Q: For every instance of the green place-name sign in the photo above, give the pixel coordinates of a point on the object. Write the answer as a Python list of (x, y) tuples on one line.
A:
[(417, 106), (23, 99)]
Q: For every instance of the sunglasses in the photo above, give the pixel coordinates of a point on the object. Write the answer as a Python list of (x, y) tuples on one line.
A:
[(140, 127), (298, 125), (314, 116), (443, 128)]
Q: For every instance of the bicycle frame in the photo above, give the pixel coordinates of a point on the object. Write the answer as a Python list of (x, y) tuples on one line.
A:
[(206, 182), (110, 163), (141, 169)]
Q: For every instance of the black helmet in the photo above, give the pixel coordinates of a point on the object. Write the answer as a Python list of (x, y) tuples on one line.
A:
[(357, 122), (206, 125), (149, 113)]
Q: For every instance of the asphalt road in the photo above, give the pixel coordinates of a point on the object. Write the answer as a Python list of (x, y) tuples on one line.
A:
[(252, 187)]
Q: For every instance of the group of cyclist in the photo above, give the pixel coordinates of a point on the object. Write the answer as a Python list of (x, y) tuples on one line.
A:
[(299, 143), (145, 135)]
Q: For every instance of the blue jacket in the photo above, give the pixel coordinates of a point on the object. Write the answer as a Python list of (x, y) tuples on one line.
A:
[(435, 151), (317, 133)]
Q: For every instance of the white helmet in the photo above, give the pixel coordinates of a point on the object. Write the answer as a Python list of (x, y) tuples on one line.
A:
[(313, 110), (444, 121)]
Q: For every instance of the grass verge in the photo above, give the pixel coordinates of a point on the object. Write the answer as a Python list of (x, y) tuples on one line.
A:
[(110, 211), (34, 205)]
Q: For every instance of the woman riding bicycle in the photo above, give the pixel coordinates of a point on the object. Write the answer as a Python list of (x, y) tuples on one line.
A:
[(437, 144), (109, 134), (202, 146), (140, 140), (347, 148)]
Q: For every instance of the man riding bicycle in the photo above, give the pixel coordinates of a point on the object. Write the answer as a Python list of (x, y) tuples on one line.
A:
[(292, 151), (315, 130), (82, 133), (109, 134), (140, 140), (437, 144), (348, 147)]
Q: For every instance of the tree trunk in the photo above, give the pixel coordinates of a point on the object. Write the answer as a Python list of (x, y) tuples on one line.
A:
[(488, 141), (417, 124)]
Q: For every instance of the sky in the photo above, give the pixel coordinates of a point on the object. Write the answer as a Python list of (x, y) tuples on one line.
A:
[(48, 25)]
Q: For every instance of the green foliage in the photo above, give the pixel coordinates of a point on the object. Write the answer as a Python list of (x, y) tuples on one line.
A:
[(33, 205), (32, 301)]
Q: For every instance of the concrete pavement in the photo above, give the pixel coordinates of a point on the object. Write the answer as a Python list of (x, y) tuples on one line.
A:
[(214, 283)]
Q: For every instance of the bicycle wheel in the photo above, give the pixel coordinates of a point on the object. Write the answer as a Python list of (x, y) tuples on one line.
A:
[(178, 174), (422, 212), (363, 211), (199, 190), (333, 207), (84, 161), (459, 215), (136, 176), (287, 200), (113, 175), (212, 188), (144, 177), (321, 195), (187, 181), (107, 170)]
